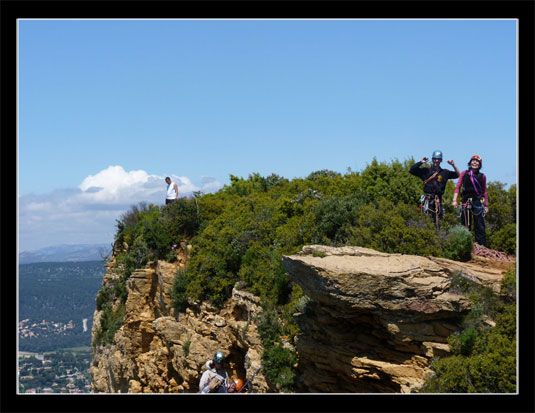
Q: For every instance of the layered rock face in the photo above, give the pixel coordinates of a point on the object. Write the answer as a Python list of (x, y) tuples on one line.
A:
[(374, 323), (376, 320), (160, 351)]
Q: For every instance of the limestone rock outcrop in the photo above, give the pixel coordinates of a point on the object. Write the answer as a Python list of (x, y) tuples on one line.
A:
[(376, 320), (373, 324), (158, 350)]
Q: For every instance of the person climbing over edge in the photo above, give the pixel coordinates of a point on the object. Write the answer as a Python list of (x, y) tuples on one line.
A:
[(236, 386), (215, 378), (172, 191), (472, 185), (435, 179)]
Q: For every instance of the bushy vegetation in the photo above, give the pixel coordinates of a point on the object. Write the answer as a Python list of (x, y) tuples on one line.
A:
[(483, 357), (241, 233), (110, 321), (459, 244), (179, 299), (279, 361), (501, 218)]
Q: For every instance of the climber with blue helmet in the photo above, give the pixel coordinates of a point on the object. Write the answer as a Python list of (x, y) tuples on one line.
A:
[(215, 379), (435, 179)]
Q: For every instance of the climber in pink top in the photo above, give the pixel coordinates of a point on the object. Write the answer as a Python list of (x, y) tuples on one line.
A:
[(472, 185)]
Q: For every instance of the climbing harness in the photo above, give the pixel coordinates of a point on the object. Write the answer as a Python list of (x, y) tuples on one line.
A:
[(470, 206), (431, 204)]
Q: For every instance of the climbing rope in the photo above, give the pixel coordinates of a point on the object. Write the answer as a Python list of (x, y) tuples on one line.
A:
[(482, 251)]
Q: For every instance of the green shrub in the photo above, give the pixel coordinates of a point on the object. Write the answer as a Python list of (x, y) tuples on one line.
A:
[(278, 366), (119, 288), (474, 318), (105, 295), (220, 288), (483, 358), (180, 220), (508, 285), (171, 256), (333, 213), (138, 254), (391, 181), (157, 241), (186, 346), (486, 302), (485, 364), (274, 180), (269, 326), (459, 244), (502, 206), (262, 270), (110, 321), (324, 173), (391, 228), (467, 341), (461, 283), (504, 239), (129, 262), (179, 291), (128, 221)]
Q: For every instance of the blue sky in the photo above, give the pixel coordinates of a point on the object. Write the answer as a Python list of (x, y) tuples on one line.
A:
[(108, 108)]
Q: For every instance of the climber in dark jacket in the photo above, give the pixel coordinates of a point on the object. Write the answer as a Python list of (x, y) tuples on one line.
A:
[(435, 179), (475, 204)]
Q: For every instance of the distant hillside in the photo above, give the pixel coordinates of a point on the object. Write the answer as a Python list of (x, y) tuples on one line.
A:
[(65, 253), (56, 304)]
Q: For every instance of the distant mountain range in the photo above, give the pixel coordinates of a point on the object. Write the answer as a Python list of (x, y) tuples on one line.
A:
[(65, 253)]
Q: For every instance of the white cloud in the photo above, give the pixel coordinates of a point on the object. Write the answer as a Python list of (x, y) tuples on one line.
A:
[(39, 206), (115, 185), (87, 214)]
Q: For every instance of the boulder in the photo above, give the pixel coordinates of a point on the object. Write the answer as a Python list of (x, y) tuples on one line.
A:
[(375, 320)]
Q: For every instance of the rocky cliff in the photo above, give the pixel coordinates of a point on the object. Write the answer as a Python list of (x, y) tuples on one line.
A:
[(376, 320), (373, 324), (160, 351)]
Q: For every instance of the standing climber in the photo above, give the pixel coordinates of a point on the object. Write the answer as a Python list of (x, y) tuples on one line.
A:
[(172, 191), (472, 185), (215, 378), (435, 179)]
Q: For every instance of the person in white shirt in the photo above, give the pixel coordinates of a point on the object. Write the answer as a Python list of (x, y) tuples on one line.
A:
[(172, 191), (215, 379)]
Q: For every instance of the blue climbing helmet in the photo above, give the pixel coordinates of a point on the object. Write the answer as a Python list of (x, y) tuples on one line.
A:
[(437, 155), (219, 357)]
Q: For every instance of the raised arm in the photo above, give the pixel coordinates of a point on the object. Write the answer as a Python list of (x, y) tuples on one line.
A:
[(457, 189), (454, 167)]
